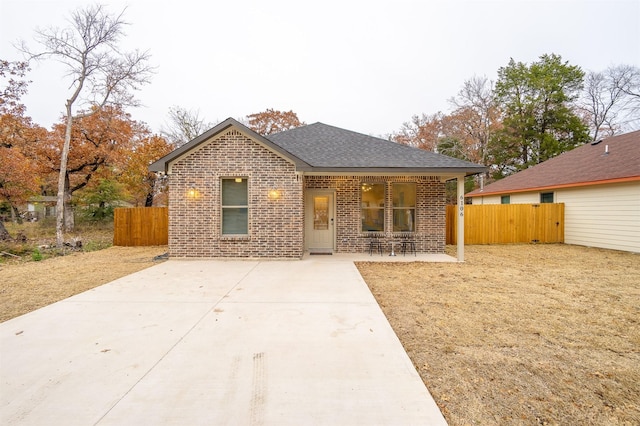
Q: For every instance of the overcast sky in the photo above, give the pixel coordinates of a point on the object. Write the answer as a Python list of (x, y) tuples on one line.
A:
[(366, 66)]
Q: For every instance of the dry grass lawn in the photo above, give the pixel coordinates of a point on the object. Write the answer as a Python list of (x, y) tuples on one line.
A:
[(26, 285), (525, 334)]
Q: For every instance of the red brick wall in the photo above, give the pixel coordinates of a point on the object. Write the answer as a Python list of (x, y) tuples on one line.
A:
[(275, 226), (430, 211)]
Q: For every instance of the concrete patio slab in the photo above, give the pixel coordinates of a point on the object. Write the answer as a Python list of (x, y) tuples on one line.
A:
[(213, 342)]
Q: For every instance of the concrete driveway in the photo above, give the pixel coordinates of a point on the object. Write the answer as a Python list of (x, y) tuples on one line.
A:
[(213, 342)]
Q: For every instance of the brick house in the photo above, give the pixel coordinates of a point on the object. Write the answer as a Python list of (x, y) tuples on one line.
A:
[(316, 188)]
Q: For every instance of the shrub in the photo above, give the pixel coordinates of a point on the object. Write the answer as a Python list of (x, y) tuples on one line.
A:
[(36, 256)]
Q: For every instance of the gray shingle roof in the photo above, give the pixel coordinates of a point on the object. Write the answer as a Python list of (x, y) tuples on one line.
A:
[(328, 147), (322, 148)]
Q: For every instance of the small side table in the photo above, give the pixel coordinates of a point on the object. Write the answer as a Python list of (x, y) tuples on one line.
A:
[(393, 252)]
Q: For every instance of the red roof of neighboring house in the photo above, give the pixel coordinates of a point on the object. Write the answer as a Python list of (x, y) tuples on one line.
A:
[(615, 159)]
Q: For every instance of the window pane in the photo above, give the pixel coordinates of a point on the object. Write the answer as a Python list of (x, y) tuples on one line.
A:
[(372, 220), (372, 197), (372, 194), (403, 220), (234, 193), (321, 213), (235, 211), (404, 203), (546, 197), (404, 195), (505, 199), (235, 220)]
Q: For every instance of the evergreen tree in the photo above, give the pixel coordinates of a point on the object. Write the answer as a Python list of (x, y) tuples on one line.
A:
[(539, 120)]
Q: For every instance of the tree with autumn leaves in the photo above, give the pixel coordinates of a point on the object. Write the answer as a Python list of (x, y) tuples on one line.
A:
[(107, 145), (101, 75), (273, 121), (110, 145), (18, 170)]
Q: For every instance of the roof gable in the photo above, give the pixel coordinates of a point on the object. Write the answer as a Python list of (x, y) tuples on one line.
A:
[(613, 159), (163, 164)]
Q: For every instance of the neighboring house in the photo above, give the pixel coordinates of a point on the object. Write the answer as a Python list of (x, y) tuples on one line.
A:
[(41, 207), (599, 184), (316, 188)]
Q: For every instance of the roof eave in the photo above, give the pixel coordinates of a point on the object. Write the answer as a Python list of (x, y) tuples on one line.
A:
[(481, 193), (437, 171)]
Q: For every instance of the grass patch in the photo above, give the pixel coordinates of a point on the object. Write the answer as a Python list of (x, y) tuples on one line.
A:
[(521, 334)]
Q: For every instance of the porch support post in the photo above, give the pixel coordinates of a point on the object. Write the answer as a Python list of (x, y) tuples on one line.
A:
[(460, 216)]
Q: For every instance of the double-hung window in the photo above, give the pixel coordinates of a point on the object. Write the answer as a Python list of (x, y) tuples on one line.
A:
[(235, 206), (404, 207), (372, 199)]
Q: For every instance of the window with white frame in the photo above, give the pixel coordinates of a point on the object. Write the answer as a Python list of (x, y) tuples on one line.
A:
[(235, 206), (404, 207), (372, 205)]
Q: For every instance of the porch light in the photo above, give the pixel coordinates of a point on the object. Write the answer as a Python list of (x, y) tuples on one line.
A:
[(274, 194), (192, 193)]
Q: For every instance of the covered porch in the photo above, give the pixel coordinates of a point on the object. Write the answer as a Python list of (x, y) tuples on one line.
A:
[(400, 215)]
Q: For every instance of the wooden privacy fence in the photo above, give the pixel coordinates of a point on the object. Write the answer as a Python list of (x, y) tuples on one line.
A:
[(508, 223), (141, 226)]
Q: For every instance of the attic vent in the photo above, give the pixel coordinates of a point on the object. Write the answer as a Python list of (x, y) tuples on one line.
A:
[(596, 142)]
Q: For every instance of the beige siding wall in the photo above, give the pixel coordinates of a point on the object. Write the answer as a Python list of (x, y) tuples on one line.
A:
[(275, 226), (489, 199), (526, 198), (518, 198), (606, 216)]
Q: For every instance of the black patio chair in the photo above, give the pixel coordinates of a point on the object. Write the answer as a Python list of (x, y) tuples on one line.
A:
[(408, 243), (374, 244)]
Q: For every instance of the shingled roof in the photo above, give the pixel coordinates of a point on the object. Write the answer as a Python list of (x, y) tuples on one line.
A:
[(615, 159), (321, 148), (329, 148)]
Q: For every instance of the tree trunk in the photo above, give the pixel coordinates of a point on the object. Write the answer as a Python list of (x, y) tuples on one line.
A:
[(69, 214), (148, 202), (16, 215), (4, 234), (60, 203)]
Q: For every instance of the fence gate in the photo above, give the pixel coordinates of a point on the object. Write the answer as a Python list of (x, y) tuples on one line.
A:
[(141, 226), (508, 223)]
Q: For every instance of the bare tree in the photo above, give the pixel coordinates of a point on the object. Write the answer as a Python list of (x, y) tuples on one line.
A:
[(611, 100), (627, 77), (184, 125), (475, 117), (100, 75)]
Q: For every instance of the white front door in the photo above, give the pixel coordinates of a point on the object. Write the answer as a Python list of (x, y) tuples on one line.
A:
[(320, 221)]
